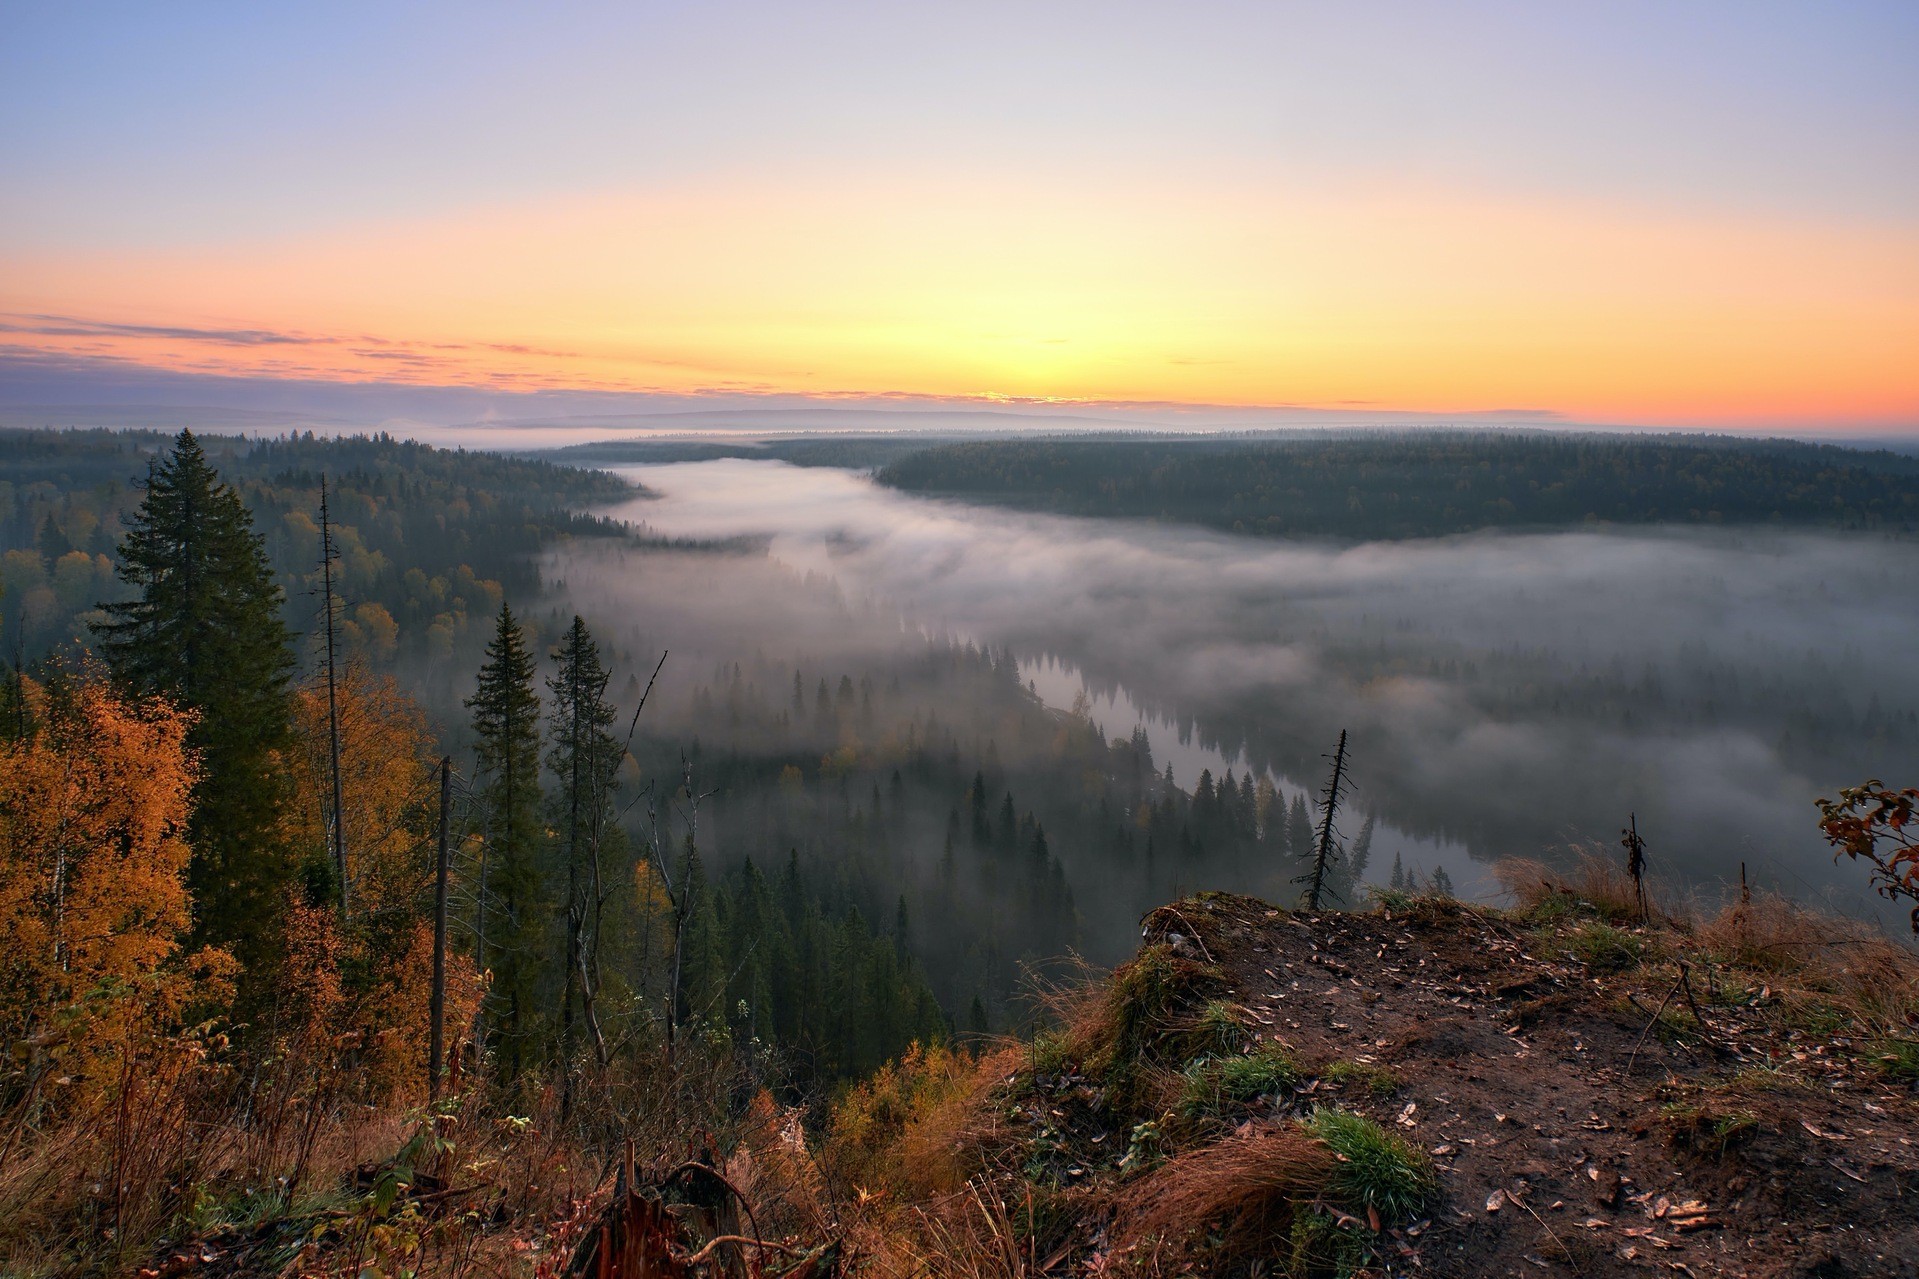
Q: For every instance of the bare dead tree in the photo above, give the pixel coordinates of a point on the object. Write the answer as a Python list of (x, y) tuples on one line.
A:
[(1323, 855), (682, 902), (1636, 864), (436, 1055), (327, 556)]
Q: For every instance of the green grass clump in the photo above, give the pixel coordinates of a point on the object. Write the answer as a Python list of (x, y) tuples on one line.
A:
[(1220, 1029), (1051, 1053), (1145, 1000), (1377, 1169), (1396, 900), (1707, 1129), (1897, 1059), (1319, 1245), (1552, 908), (1604, 948), (1214, 1085), (1363, 1076)]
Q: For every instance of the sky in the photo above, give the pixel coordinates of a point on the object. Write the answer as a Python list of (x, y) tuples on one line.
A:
[(1687, 214)]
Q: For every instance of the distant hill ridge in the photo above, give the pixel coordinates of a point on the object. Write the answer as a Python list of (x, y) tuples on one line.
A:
[(1426, 484)]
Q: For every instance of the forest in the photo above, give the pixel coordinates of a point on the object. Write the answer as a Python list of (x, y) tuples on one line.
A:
[(1382, 485), (429, 541)]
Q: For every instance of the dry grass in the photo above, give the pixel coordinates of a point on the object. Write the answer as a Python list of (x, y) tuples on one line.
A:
[(1240, 1194), (918, 1129), (1154, 1010), (183, 1145), (1806, 955), (1828, 974), (1595, 884)]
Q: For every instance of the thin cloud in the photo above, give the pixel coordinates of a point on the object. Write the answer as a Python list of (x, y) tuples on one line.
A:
[(70, 326)]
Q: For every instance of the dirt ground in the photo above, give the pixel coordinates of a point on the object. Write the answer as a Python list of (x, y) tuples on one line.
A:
[(1574, 1135)]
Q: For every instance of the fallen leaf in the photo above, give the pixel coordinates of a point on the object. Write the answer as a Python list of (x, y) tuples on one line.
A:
[(1495, 1201)]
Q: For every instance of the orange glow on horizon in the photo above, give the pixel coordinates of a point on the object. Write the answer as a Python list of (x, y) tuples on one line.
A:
[(1394, 299)]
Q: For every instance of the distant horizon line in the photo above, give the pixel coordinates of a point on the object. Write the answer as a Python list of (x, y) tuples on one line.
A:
[(541, 435)]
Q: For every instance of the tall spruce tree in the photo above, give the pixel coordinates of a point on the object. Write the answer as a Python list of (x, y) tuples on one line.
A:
[(584, 758), (204, 629), (511, 915)]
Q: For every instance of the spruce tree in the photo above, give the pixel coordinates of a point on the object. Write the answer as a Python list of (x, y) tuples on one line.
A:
[(510, 918), (204, 629), (583, 758)]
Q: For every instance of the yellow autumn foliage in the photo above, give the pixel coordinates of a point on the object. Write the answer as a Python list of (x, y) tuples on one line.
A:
[(389, 784)]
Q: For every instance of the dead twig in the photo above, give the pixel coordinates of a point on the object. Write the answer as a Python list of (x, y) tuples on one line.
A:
[(1649, 1025)]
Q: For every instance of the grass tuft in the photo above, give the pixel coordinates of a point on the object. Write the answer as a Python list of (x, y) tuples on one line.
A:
[(1604, 948), (1596, 884), (1361, 1076), (1707, 1129), (1897, 1059), (1377, 1169), (1215, 1085), (1221, 1029), (1146, 1010)]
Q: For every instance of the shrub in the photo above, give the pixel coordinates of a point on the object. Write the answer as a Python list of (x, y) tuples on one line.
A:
[(1876, 824), (875, 1121)]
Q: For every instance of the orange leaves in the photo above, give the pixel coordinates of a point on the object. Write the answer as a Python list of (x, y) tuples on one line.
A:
[(1875, 823), (386, 765), (368, 981), (93, 858)]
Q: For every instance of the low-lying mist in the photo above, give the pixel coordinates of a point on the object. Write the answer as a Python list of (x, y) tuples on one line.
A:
[(1505, 693)]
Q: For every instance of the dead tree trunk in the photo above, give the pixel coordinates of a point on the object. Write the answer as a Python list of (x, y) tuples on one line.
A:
[(327, 556), (1329, 805), (436, 1054)]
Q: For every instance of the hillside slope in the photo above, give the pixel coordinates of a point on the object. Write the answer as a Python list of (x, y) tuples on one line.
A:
[(1426, 1088), (1547, 1091)]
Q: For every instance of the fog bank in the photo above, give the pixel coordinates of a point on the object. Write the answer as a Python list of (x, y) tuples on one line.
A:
[(1510, 693)]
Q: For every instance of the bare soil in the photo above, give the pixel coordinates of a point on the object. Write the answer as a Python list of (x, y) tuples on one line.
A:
[(1576, 1132)]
